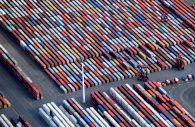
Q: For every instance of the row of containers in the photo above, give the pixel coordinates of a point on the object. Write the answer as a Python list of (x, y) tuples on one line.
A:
[(19, 122), (71, 114), (124, 106), (4, 102), (118, 66), (183, 79), (111, 37), (87, 30), (149, 105), (12, 65), (186, 13)]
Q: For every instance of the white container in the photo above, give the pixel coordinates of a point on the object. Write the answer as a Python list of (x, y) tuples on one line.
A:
[(46, 109), (100, 117), (3, 122), (129, 109), (62, 115), (147, 105), (55, 113), (58, 122), (94, 117), (63, 89), (47, 118), (6, 120), (90, 118), (81, 121)]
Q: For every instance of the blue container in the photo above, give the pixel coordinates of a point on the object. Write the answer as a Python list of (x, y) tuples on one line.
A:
[(87, 119), (169, 115), (154, 101), (185, 78), (117, 119), (169, 96), (193, 76), (165, 118), (101, 108), (147, 120), (133, 100)]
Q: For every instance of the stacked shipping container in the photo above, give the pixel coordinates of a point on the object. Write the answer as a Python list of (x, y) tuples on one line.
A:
[(12, 65), (71, 114), (20, 122), (149, 106), (124, 106), (111, 37)]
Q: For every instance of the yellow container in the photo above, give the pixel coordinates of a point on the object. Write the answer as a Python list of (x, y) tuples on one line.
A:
[(77, 57), (64, 53), (125, 39), (106, 25), (79, 19), (123, 16), (184, 31), (169, 30), (96, 53), (142, 55), (72, 68), (92, 74), (9, 104), (55, 70), (138, 42), (177, 122), (37, 58), (174, 115), (159, 69), (115, 61), (156, 46), (186, 62), (131, 72), (190, 30), (74, 49), (167, 45), (135, 31), (58, 68), (156, 30), (58, 46), (80, 24), (96, 27), (66, 15), (12, 22)]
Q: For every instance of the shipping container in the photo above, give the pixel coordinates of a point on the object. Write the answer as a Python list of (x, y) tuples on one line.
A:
[(89, 32)]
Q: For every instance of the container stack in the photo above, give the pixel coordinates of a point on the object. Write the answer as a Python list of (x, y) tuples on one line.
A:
[(165, 104), (112, 111), (20, 122), (111, 37), (148, 106), (186, 13), (124, 106), (71, 114), (12, 65)]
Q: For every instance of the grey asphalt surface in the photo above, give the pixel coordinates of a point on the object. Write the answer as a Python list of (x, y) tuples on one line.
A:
[(23, 103), (189, 2), (185, 95)]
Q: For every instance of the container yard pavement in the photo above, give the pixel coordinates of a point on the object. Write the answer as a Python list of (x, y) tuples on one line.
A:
[(22, 101), (189, 2), (185, 95)]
